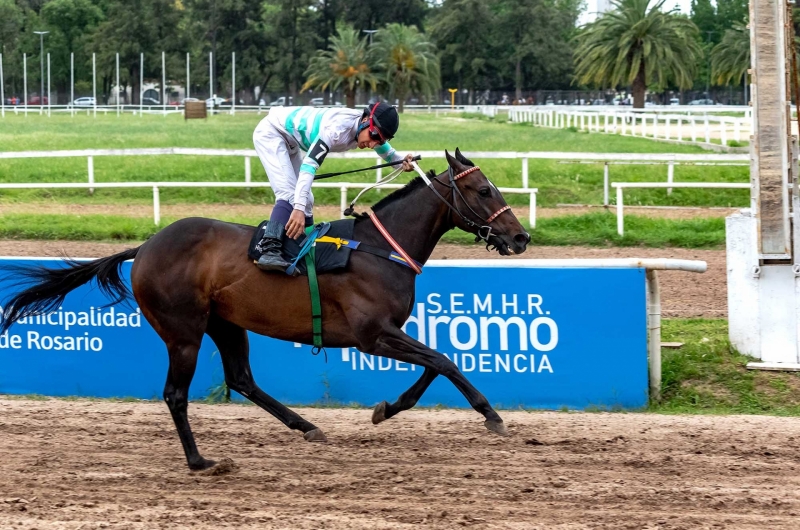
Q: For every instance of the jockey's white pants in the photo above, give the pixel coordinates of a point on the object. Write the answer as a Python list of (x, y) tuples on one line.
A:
[(281, 158)]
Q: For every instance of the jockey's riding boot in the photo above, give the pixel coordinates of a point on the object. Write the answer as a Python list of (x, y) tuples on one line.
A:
[(270, 248)]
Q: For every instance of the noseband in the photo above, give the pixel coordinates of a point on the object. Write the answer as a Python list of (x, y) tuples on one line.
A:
[(484, 231)]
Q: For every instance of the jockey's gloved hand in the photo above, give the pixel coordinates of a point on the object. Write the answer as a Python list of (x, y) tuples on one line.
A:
[(407, 166)]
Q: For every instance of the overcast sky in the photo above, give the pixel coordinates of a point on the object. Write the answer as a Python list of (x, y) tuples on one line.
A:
[(591, 5)]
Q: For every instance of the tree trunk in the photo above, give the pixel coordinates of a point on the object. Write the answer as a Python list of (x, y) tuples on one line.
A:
[(350, 98), (518, 79), (639, 86)]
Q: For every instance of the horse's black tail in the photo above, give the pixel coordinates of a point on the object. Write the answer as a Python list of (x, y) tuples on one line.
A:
[(48, 287)]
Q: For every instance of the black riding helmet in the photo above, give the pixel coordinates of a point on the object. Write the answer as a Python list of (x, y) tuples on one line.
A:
[(384, 118)]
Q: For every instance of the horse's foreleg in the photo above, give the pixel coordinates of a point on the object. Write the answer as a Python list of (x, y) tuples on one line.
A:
[(234, 350), (384, 411), (182, 363), (395, 344)]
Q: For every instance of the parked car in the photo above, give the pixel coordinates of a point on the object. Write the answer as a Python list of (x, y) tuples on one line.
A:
[(674, 101), (150, 101), (83, 102), (36, 100), (317, 102), (281, 102), (702, 102)]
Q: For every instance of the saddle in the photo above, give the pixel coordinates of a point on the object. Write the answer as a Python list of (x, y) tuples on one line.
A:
[(329, 257)]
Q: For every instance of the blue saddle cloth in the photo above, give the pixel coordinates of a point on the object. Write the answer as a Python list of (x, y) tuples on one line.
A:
[(329, 257)]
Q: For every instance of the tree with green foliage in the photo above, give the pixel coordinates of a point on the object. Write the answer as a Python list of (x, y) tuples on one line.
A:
[(730, 59), (408, 61), (374, 14), (638, 44), (346, 64)]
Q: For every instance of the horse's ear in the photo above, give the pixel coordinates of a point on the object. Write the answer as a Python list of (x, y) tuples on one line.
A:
[(464, 160), (450, 160)]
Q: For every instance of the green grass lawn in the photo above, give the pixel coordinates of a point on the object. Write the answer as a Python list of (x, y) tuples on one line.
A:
[(707, 375), (558, 182)]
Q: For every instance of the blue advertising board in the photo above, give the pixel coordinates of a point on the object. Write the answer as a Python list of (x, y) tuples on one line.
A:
[(525, 336)]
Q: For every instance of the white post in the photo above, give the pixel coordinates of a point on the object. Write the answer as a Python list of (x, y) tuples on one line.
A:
[(91, 172), (379, 171), (117, 84), (94, 82), (342, 201), (48, 83), (233, 82), (654, 329), (708, 131), (605, 184), (72, 84), (188, 83), (156, 206), (532, 213), (666, 128), (737, 129), (163, 83), (723, 128), (694, 129), (2, 90), (141, 84), (680, 128), (620, 224), (211, 79), (524, 172), (25, 81), (247, 169), (670, 175)]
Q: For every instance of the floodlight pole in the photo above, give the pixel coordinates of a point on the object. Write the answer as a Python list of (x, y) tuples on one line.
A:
[(188, 81), (25, 80), (41, 67), (163, 83), (141, 84), (117, 84), (2, 90), (72, 84), (94, 82), (233, 83), (48, 84)]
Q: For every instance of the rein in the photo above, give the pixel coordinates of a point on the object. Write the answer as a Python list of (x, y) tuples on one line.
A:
[(379, 166)]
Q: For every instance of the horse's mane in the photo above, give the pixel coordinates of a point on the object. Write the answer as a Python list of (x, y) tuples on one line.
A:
[(409, 188)]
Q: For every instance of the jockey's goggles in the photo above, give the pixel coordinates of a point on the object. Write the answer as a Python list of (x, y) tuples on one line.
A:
[(374, 127)]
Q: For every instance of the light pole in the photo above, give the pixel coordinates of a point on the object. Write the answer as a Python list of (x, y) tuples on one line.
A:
[(369, 32), (41, 63)]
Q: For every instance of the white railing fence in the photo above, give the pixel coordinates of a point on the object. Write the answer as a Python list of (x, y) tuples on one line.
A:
[(156, 187), (622, 185)]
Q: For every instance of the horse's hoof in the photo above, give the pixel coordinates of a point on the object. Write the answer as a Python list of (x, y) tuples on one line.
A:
[(223, 467), (496, 426), (315, 435), (379, 414)]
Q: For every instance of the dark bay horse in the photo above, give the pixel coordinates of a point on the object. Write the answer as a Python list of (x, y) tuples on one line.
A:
[(194, 278)]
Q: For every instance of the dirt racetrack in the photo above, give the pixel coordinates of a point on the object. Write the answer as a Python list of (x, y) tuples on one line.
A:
[(84, 465)]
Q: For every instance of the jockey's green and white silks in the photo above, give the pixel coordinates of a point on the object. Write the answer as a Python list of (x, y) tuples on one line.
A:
[(314, 131)]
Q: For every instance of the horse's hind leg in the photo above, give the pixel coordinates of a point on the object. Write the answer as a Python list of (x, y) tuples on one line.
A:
[(384, 411), (182, 363), (235, 353)]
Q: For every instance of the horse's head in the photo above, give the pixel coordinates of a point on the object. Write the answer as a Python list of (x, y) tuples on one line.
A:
[(483, 210)]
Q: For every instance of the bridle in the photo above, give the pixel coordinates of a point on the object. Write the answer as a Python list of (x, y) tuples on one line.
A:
[(483, 231)]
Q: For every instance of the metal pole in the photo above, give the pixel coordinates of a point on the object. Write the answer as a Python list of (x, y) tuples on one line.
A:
[(72, 84), (670, 176), (117, 84), (25, 81), (247, 172), (41, 70), (163, 83), (2, 90), (211, 79), (94, 82), (48, 83), (524, 172), (654, 329), (141, 84), (342, 201), (91, 172), (188, 84), (605, 184), (620, 222), (233, 83)]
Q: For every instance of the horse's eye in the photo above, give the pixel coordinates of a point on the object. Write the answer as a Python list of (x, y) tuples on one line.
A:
[(484, 192)]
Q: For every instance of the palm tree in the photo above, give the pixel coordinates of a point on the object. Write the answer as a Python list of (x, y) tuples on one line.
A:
[(636, 44), (408, 60), (730, 59), (346, 64)]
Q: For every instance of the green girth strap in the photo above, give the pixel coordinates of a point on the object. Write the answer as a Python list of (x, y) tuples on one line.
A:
[(316, 305)]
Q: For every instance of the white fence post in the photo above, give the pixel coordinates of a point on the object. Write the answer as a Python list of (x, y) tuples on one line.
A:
[(524, 172), (342, 201), (532, 213), (723, 129), (379, 171), (694, 129), (605, 184), (680, 128), (708, 131), (247, 173), (666, 128), (91, 172), (156, 206), (670, 176), (737, 129), (620, 223)]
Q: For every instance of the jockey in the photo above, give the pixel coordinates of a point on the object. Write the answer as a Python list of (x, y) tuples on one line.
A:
[(292, 142)]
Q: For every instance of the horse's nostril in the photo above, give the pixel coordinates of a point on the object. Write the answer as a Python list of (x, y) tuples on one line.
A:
[(523, 239)]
